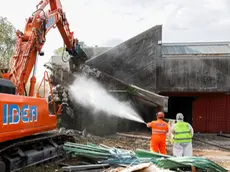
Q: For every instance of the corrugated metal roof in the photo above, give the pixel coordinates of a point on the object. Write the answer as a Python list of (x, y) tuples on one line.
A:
[(221, 48)]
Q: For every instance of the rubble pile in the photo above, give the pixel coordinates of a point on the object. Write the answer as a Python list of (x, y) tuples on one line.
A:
[(111, 157), (134, 144)]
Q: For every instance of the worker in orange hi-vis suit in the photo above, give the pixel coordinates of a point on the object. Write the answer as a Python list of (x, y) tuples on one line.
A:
[(159, 131)]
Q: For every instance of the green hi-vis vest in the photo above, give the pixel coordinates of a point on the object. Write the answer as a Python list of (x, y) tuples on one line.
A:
[(182, 133)]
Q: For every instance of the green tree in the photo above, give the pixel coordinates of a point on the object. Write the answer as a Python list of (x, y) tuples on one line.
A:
[(59, 51), (7, 42)]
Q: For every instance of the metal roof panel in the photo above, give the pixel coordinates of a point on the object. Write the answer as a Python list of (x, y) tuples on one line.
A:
[(195, 48)]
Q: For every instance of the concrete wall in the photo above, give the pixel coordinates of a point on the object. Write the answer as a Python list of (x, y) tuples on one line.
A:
[(198, 74), (94, 51), (133, 61)]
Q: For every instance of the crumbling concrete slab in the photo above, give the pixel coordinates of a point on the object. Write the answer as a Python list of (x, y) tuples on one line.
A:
[(133, 61), (111, 84)]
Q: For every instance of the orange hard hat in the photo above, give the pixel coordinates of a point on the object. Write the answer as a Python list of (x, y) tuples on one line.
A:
[(160, 115)]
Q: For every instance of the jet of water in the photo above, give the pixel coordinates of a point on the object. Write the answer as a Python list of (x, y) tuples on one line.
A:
[(91, 94)]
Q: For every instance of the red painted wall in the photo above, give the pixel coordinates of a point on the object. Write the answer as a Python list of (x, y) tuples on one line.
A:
[(210, 111), (211, 114)]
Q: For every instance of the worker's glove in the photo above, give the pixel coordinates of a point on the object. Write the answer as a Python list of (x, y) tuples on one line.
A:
[(171, 141)]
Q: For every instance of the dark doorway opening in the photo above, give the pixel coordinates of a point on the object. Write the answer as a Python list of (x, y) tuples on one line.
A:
[(180, 105)]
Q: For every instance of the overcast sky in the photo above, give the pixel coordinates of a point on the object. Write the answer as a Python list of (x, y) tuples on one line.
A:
[(109, 22)]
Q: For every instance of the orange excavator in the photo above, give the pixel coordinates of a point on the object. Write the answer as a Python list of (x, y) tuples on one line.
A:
[(25, 117)]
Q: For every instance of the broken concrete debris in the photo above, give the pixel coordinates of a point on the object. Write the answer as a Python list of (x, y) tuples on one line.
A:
[(102, 156)]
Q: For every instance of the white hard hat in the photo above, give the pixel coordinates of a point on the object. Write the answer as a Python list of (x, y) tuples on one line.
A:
[(179, 116)]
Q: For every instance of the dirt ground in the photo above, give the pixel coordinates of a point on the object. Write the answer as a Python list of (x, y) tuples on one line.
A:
[(220, 153), (210, 150)]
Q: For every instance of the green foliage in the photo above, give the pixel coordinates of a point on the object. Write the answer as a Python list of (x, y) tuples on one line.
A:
[(62, 52), (59, 51), (7, 42)]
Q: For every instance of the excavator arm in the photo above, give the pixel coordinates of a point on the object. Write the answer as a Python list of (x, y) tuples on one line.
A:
[(29, 44)]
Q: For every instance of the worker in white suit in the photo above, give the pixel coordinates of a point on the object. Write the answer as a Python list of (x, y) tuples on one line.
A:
[(183, 134)]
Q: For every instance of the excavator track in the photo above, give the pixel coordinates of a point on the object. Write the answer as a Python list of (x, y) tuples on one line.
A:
[(32, 150)]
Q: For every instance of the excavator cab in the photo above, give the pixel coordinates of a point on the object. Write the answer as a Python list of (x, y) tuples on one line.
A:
[(7, 87)]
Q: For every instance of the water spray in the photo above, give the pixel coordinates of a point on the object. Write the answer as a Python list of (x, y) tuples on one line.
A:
[(92, 95)]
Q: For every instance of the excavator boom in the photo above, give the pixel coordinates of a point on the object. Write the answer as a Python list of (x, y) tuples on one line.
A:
[(29, 44)]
